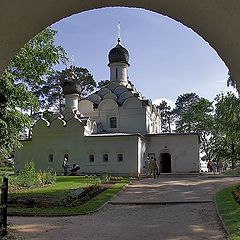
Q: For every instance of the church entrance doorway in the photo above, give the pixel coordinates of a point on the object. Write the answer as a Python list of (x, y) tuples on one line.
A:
[(165, 160)]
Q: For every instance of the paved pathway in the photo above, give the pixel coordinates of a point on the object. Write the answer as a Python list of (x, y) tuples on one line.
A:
[(167, 208)]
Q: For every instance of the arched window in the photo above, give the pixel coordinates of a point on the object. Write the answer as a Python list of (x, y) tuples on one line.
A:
[(120, 157), (113, 122), (105, 157), (50, 158), (91, 158)]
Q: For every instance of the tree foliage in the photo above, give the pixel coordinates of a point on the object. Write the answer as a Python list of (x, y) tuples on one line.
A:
[(182, 112), (218, 126), (227, 127), (103, 83), (53, 91), (231, 81), (22, 83), (167, 117)]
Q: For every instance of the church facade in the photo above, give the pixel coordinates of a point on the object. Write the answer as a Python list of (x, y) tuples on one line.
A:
[(111, 131)]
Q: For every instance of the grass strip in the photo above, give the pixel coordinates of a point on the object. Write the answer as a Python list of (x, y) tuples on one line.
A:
[(62, 186), (88, 207), (229, 210)]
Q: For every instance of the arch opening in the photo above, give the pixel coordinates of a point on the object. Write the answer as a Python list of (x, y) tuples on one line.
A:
[(30, 19), (165, 163)]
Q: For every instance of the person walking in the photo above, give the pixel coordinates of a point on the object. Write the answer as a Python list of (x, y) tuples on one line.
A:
[(214, 167), (153, 167), (209, 166), (220, 166)]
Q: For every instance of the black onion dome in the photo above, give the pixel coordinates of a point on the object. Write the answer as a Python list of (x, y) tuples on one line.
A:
[(118, 54), (70, 87)]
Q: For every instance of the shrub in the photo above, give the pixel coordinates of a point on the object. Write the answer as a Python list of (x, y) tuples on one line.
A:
[(28, 177), (233, 172), (105, 178), (236, 193), (46, 177)]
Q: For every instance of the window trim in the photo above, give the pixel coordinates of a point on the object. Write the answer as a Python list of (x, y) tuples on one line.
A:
[(91, 158), (104, 158), (118, 157), (113, 122), (50, 158)]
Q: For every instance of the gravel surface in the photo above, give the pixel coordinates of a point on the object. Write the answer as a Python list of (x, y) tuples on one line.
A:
[(132, 219)]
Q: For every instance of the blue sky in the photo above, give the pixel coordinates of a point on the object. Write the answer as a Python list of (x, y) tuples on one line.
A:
[(167, 59)]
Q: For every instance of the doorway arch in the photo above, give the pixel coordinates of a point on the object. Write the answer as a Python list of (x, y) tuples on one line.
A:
[(165, 162), (19, 23)]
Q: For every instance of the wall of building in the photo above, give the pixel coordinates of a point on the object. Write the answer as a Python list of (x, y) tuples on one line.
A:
[(112, 146), (55, 141), (184, 150)]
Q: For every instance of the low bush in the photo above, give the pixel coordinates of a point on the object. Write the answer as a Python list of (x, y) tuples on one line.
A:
[(236, 193), (233, 172), (46, 177), (29, 177)]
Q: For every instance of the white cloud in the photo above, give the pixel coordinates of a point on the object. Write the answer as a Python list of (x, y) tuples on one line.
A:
[(171, 103)]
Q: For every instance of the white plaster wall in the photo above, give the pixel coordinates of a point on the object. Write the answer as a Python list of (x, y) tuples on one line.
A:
[(111, 145), (132, 120), (141, 154), (129, 119), (71, 101), (184, 150), (70, 140), (57, 140), (122, 75)]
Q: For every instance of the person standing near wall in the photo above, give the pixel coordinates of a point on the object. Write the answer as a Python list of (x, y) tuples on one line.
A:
[(65, 166), (153, 167), (146, 166)]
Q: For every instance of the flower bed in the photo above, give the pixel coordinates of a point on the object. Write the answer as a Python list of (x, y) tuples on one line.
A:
[(76, 198)]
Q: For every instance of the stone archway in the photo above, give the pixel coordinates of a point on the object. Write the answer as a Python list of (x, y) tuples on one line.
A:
[(216, 21)]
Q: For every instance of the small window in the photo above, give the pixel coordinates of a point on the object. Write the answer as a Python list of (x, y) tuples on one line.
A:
[(116, 73), (50, 158), (91, 158), (113, 122), (105, 157), (120, 157)]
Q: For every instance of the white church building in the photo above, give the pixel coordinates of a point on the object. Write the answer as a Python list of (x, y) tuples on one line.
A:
[(111, 131)]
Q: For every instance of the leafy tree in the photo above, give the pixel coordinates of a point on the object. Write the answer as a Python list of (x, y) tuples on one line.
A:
[(22, 81), (53, 91), (195, 115), (231, 81), (167, 117), (201, 113), (227, 127), (182, 113), (103, 83)]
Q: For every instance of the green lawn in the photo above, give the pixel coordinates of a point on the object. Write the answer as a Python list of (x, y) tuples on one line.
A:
[(229, 210), (62, 187)]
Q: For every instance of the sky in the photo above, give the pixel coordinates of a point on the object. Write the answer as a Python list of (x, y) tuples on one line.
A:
[(166, 58)]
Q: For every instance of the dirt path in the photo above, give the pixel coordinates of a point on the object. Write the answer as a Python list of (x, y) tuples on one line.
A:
[(164, 208)]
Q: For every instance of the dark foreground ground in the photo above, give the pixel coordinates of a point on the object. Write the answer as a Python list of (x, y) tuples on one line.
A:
[(168, 208)]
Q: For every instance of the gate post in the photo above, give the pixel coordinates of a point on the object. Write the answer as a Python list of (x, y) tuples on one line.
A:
[(4, 198)]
